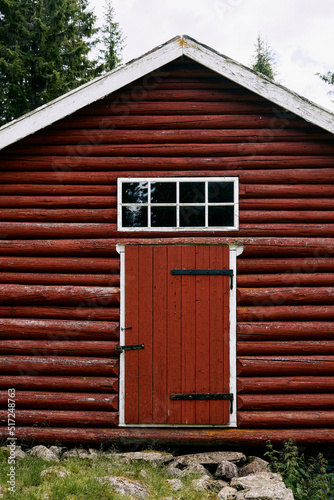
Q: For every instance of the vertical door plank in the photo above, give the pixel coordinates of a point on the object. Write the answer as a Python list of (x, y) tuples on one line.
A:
[(226, 333), (174, 346), (188, 329), (160, 277), (202, 334), (145, 333), (131, 334)]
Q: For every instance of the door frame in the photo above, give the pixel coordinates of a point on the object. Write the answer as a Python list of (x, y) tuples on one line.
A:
[(235, 251)]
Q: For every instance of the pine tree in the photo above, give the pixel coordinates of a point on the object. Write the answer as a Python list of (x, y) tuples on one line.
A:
[(264, 59), (112, 39), (44, 52), (328, 78)]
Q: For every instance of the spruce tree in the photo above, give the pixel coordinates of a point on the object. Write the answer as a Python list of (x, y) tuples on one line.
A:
[(264, 59), (112, 39), (328, 78)]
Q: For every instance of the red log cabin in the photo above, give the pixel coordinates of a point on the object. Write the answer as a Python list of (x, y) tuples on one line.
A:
[(167, 258)]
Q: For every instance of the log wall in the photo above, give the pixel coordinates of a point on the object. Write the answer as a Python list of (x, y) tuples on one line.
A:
[(59, 269)]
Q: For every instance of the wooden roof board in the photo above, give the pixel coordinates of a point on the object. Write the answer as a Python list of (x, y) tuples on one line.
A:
[(104, 85)]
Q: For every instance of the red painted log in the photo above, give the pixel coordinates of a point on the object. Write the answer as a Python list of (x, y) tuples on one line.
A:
[(286, 330), (285, 365), (171, 437), (58, 202), (283, 385), (80, 418), (282, 348), (285, 313), (61, 247), (63, 295), (106, 280), (285, 279), (285, 419), (303, 265), (60, 264), (280, 296), (285, 401), (88, 312), (61, 400), (59, 348), (60, 190), (286, 229), (306, 204), (286, 191), (251, 216), (60, 383), (58, 365), (54, 329), (63, 215)]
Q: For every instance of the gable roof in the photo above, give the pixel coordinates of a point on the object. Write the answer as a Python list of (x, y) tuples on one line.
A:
[(181, 45)]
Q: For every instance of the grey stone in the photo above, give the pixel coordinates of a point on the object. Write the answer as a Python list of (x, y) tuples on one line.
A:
[(77, 453), (57, 450), (254, 466), (227, 493), (177, 469), (154, 457), (226, 470), (19, 453), (125, 486), (263, 486), (175, 484), (217, 484), (44, 453), (214, 457), (201, 484), (55, 471)]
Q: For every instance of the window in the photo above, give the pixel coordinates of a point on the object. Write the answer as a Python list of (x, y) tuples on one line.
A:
[(189, 203)]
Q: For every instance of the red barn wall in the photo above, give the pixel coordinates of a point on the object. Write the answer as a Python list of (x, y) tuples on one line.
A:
[(59, 269)]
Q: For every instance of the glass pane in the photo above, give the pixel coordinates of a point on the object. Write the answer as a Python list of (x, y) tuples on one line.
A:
[(134, 192), (163, 216), (220, 192), (192, 192), (134, 216), (163, 192), (221, 216), (192, 216)]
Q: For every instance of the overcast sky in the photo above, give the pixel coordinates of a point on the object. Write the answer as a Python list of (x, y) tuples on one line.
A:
[(300, 32)]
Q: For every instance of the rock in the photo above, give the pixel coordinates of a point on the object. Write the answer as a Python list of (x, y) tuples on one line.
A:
[(19, 453), (57, 450), (77, 453), (254, 466), (226, 470), (217, 485), (215, 458), (125, 486), (55, 471), (263, 486), (154, 457), (143, 473), (201, 484), (177, 469), (44, 453), (227, 493), (175, 484)]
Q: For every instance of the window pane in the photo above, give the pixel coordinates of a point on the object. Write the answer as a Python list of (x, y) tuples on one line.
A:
[(134, 216), (192, 216), (134, 192), (192, 192), (220, 192), (221, 216), (163, 216), (163, 192)]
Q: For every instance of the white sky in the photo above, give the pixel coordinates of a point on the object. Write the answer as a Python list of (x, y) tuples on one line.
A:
[(300, 32)]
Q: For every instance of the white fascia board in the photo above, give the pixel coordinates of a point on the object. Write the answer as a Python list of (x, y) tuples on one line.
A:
[(88, 93), (259, 84)]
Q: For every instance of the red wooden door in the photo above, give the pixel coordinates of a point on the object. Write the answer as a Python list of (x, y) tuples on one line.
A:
[(183, 321)]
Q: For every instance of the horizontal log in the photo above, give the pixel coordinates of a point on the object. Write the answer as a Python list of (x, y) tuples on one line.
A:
[(171, 437), (60, 264), (88, 312), (285, 365), (287, 229), (306, 204), (285, 296), (314, 264), (57, 202), (285, 401), (59, 348), (55, 329), (94, 248), (284, 419), (251, 191), (269, 216), (106, 280), (282, 348), (82, 296), (60, 383), (60, 190), (284, 280), (285, 313), (286, 330), (62, 365), (63, 418), (283, 385), (62, 215), (61, 400)]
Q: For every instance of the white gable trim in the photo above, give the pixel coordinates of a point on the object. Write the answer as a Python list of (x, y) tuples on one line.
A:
[(184, 45)]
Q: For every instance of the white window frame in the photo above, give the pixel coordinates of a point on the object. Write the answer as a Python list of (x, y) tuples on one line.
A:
[(206, 204)]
